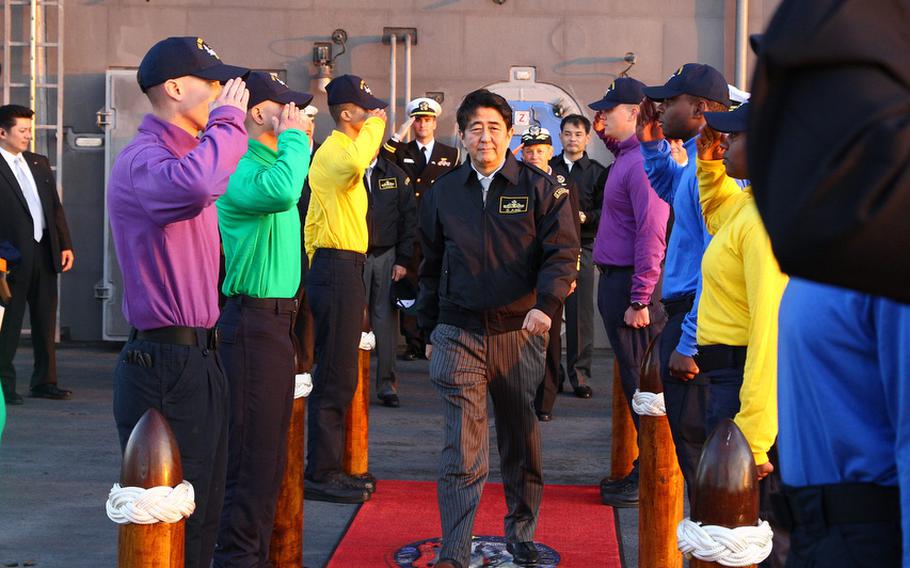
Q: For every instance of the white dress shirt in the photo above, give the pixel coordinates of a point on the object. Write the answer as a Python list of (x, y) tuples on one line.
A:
[(29, 189), (485, 181)]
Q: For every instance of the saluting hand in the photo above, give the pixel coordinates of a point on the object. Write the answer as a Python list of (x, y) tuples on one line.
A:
[(536, 322), (403, 129), (291, 117), (378, 113), (647, 128), (234, 93), (600, 121), (678, 152), (708, 144)]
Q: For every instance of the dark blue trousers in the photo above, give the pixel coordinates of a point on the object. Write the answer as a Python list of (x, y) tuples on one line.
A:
[(337, 298), (258, 353), (686, 401), (187, 385)]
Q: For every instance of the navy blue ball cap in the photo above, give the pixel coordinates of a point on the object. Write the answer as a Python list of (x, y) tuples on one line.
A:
[(265, 86), (623, 91), (731, 122), (695, 79), (736, 120), (352, 89), (179, 56)]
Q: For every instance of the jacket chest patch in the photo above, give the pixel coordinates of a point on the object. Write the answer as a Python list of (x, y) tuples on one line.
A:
[(388, 183), (512, 205)]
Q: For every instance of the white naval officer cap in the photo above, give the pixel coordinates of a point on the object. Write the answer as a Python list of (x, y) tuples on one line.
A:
[(423, 106)]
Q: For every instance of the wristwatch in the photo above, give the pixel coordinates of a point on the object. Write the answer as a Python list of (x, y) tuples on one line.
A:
[(638, 306)]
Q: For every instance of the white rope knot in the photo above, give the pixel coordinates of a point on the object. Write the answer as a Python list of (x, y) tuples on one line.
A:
[(367, 340), (649, 403), (303, 384), (160, 504), (742, 546)]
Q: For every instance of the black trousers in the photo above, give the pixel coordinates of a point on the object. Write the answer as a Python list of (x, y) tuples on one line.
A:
[(579, 311), (33, 282), (820, 540), (686, 401), (258, 353), (337, 298), (413, 335), (553, 371), (303, 324), (187, 385)]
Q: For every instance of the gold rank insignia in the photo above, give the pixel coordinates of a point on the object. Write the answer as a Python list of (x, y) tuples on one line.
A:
[(388, 183), (407, 180), (277, 79), (200, 44), (443, 162), (364, 87), (561, 178), (562, 191), (509, 205)]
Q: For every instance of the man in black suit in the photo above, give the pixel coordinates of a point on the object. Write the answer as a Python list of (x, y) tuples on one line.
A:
[(423, 159), (573, 167), (32, 220)]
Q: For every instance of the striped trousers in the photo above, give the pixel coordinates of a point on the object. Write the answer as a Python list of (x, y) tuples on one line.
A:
[(463, 368)]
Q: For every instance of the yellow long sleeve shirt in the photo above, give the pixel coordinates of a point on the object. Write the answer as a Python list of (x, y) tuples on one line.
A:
[(337, 213), (742, 287)]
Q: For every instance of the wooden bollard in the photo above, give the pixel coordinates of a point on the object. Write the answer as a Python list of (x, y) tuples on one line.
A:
[(726, 483), (152, 459), (624, 450), (286, 547), (357, 439), (660, 481)]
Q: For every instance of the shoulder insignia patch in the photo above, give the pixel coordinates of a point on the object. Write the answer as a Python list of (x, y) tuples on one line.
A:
[(388, 183), (560, 192)]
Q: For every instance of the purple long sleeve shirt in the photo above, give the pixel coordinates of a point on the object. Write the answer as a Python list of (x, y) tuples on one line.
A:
[(159, 199), (633, 221)]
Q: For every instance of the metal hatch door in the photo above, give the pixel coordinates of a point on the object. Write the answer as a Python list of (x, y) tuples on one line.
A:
[(125, 105)]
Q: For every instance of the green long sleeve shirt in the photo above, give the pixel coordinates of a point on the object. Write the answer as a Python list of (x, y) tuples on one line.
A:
[(259, 222)]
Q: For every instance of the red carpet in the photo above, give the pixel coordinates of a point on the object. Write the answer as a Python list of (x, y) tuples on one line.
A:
[(572, 522)]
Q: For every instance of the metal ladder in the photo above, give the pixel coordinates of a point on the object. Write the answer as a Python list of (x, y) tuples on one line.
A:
[(32, 72)]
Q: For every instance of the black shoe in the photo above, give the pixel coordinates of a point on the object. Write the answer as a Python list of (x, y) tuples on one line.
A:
[(51, 391), (607, 484), (13, 398), (523, 553), (333, 491), (390, 400), (583, 391), (365, 481), (544, 416), (408, 356), (621, 496)]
